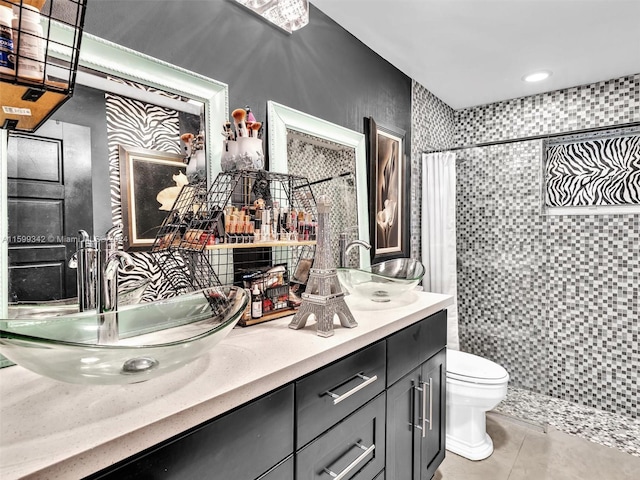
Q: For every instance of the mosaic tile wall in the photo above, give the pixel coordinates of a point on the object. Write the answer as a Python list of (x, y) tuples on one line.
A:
[(593, 272), (599, 104), (433, 127), (553, 298), (501, 260)]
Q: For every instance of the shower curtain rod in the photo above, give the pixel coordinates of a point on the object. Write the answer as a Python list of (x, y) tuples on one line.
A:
[(537, 137)]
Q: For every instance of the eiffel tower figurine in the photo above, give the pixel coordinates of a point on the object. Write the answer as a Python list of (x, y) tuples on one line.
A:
[(323, 297)]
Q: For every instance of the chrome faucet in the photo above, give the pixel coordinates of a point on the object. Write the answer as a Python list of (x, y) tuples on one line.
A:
[(345, 247), (85, 260), (97, 262), (109, 259)]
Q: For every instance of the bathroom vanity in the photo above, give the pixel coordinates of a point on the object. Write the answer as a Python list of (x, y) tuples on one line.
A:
[(267, 403)]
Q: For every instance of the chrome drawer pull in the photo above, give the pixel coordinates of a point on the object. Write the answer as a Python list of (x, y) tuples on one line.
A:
[(338, 398), (352, 465)]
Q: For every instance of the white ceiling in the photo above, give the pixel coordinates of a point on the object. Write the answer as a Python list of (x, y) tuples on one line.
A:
[(474, 52)]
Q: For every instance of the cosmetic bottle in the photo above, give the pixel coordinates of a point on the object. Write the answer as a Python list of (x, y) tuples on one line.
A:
[(266, 225), (7, 57), (256, 302), (30, 42)]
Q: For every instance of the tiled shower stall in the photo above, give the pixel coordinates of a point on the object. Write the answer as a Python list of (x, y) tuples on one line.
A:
[(553, 298)]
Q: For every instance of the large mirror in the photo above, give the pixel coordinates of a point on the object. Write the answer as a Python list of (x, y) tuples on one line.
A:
[(112, 73), (333, 158)]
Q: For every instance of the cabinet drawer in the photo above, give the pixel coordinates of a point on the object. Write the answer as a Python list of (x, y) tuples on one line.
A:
[(283, 471), (414, 345), (243, 444), (330, 394), (354, 448)]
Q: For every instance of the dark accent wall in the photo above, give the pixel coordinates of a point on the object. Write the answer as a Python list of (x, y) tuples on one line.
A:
[(321, 69), (87, 108)]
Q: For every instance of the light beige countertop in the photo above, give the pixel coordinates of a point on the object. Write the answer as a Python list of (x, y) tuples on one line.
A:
[(52, 430)]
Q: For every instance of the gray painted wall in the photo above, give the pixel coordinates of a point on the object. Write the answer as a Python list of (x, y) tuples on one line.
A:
[(321, 69)]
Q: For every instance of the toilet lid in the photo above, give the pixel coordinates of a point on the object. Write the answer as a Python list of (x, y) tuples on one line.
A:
[(471, 368)]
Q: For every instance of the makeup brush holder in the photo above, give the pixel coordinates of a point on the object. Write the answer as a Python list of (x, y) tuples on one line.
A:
[(244, 153)]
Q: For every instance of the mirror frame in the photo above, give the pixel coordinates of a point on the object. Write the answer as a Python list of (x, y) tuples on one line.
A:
[(112, 59), (280, 118)]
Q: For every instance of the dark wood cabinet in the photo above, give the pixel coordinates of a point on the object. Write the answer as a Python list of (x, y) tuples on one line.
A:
[(328, 395), (416, 403), (241, 445), (377, 413), (353, 449), (402, 419), (433, 376), (414, 345), (282, 471)]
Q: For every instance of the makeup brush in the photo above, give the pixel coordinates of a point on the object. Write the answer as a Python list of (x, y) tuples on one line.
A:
[(255, 127), (249, 124), (227, 128), (239, 115)]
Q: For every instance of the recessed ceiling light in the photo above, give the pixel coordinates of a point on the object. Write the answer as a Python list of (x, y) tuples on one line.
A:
[(537, 76)]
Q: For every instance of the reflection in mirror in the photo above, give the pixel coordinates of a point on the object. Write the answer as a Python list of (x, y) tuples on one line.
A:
[(122, 97), (333, 159), (53, 194), (315, 158)]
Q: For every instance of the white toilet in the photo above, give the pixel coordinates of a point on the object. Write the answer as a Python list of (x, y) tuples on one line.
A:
[(474, 386)]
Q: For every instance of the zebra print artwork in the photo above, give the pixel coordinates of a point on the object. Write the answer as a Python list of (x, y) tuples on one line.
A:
[(593, 173), (135, 123)]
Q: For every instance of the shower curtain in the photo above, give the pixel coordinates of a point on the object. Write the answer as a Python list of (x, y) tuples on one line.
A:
[(439, 233)]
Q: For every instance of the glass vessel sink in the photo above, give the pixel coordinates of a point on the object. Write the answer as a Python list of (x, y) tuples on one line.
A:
[(383, 281), (153, 338), (127, 295)]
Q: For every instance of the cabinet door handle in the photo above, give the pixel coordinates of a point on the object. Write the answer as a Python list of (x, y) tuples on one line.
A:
[(352, 465), (424, 406), (423, 396), (338, 398)]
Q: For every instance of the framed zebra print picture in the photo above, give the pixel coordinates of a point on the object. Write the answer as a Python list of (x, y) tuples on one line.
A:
[(150, 181), (594, 173)]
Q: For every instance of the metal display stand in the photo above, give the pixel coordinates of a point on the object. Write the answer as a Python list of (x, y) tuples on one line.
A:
[(212, 236)]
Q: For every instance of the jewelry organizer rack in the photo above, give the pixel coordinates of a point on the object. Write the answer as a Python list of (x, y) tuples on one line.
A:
[(246, 228)]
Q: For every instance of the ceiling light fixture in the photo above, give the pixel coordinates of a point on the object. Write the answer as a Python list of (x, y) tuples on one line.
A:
[(537, 76), (288, 15)]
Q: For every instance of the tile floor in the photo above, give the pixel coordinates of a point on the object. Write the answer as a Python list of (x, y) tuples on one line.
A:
[(608, 429), (525, 452)]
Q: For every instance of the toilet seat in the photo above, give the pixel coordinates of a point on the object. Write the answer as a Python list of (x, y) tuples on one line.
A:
[(466, 367)]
